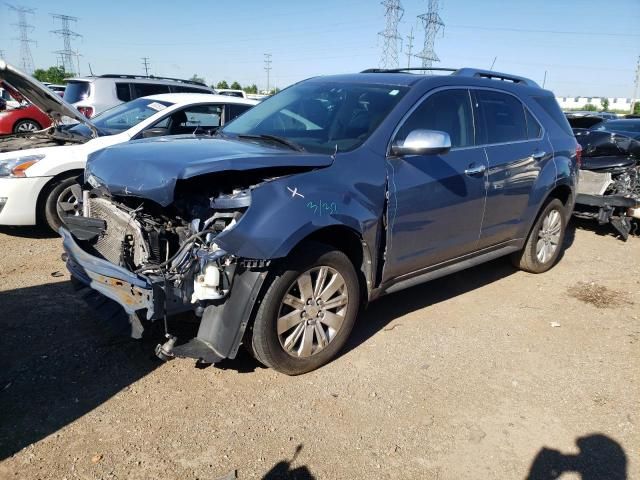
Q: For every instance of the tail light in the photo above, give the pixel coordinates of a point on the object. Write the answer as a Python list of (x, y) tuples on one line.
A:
[(579, 155), (86, 111)]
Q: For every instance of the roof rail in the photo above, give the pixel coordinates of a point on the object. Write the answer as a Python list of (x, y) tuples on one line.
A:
[(462, 72), (491, 75), (412, 69), (150, 77)]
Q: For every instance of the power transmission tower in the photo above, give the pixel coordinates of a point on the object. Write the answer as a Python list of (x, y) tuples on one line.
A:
[(432, 23), (393, 15), (267, 67), (26, 59), (146, 65), (635, 88), (410, 38), (67, 53)]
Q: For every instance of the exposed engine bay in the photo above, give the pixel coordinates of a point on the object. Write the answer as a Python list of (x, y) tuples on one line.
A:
[(609, 187), (51, 137)]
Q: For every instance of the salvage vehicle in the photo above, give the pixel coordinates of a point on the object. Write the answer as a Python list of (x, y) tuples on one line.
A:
[(629, 127), (609, 188), (38, 171), (320, 199), (23, 117)]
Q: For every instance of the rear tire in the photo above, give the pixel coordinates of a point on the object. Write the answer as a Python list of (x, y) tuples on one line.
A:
[(308, 311), (545, 241), (26, 126)]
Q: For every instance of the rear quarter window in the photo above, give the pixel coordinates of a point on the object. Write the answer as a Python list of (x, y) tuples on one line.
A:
[(123, 91), (551, 107)]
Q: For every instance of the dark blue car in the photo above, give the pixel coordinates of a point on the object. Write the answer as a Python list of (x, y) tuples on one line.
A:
[(337, 190)]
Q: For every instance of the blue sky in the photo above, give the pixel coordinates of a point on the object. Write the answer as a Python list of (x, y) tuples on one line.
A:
[(222, 40)]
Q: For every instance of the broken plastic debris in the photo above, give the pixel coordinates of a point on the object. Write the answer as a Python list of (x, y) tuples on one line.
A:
[(554, 324)]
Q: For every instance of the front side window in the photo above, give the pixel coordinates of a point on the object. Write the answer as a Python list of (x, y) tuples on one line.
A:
[(320, 116), (447, 111), (501, 117)]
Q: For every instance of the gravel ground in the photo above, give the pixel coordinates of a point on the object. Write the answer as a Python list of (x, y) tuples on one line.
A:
[(490, 373)]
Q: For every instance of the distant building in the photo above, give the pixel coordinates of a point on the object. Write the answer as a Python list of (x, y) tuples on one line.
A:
[(578, 103)]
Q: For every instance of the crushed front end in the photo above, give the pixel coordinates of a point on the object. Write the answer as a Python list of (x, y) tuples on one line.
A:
[(160, 261), (609, 188)]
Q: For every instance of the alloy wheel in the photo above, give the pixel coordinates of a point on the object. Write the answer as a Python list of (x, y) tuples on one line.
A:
[(549, 236), (312, 311), (27, 127), (70, 202)]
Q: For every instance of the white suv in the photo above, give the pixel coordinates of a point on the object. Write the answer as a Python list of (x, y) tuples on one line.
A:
[(93, 95)]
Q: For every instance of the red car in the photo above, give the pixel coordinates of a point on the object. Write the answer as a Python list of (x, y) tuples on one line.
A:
[(25, 118)]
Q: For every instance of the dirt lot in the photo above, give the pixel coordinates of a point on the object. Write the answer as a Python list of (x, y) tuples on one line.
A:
[(468, 377)]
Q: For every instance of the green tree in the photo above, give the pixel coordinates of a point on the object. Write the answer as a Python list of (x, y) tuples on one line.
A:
[(236, 86), (636, 108), (251, 89), (52, 75), (589, 107), (273, 91), (605, 104), (196, 78), (222, 84)]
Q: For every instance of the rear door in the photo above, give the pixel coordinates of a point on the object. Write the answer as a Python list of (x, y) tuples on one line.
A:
[(516, 152), (435, 202)]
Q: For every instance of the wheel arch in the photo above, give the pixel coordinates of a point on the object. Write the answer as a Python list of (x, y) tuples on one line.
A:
[(15, 124)]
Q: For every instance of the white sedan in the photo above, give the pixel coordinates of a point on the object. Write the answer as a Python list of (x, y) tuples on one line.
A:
[(38, 185)]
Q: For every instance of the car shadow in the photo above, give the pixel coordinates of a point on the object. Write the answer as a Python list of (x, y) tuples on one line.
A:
[(56, 363), (28, 232), (598, 457)]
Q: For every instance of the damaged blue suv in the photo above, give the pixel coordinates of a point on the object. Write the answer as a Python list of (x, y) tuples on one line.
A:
[(337, 190)]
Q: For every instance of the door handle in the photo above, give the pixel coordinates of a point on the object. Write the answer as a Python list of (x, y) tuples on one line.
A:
[(538, 155), (471, 171)]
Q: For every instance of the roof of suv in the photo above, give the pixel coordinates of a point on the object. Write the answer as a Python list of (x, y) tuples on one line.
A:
[(138, 78), (200, 97)]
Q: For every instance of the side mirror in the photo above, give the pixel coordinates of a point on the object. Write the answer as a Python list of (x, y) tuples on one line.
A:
[(423, 142), (155, 132)]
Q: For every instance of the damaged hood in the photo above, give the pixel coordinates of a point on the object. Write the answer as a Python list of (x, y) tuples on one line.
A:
[(150, 168), (45, 99)]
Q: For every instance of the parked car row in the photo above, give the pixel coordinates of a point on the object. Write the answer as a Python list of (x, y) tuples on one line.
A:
[(276, 230)]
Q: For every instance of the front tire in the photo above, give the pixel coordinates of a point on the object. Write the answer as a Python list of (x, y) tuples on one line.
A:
[(308, 311), (545, 241), (63, 197)]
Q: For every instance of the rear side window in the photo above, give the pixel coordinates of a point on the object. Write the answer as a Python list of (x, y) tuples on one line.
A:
[(502, 117), (235, 110), (181, 89), (534, 130), (145, 89), (551, 107), (123, 92), (447, 111), (77, 91)]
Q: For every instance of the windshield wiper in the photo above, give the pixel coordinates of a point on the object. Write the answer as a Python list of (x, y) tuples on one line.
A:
[(283, 141)]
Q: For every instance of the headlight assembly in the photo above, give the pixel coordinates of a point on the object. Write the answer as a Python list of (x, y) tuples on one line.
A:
[(16, 166)]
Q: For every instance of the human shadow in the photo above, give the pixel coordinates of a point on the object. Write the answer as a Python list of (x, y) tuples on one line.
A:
[(284, 470), (56, 364), (599, 458)]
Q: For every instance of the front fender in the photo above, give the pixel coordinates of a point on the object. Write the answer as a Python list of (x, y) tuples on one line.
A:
[(285, 211)]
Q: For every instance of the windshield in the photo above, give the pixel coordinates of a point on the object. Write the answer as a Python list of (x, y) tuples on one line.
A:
[(320, 116), (124, 116)]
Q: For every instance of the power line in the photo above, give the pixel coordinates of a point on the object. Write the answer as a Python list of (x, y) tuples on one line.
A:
[(146, 65), (432, 23), (267, 67), (67, 53), (26, 59), (393, 15), (410, 37)]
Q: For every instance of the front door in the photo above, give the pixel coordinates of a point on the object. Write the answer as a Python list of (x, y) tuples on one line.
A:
[(436, 202)]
